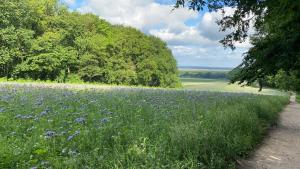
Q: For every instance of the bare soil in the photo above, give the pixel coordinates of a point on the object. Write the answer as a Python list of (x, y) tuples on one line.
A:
[(281, 148)]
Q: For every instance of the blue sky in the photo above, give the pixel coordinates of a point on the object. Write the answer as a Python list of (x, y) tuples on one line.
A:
[(193, 37)]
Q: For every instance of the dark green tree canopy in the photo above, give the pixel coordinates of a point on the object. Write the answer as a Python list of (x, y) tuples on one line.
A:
[(276, 44), (42, 40)]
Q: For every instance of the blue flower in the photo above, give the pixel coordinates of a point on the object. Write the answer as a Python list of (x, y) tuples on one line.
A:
[(2, 110), (50, 134), (73, 135), (104, 120), (39, 102), (80, 120), (19, 116), (45, 112), (109, 113), (70, 137)]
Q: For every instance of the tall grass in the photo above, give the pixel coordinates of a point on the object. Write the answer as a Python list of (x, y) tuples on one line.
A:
[(130, 128)]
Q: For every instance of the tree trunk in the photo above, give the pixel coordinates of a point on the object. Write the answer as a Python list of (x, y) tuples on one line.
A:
[(260, 83)]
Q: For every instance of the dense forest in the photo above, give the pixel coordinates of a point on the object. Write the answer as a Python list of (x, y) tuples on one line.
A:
[(43, 40)]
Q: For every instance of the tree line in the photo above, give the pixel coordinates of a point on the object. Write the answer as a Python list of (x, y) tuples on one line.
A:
[(205, 74), (43, 40)]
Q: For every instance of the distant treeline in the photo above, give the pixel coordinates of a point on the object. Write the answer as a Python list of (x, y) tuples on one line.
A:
[(43, 40), (206, 68), (205, 74)]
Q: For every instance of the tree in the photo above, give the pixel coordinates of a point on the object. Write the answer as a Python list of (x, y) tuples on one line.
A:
[(42, 40), (47, 58), (276, 45), (287, 81), (15, 34)]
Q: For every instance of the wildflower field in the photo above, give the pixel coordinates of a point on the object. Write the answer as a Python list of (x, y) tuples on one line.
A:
[(60, 127)]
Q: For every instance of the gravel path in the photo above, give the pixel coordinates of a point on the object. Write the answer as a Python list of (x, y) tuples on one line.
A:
[(281, 150)]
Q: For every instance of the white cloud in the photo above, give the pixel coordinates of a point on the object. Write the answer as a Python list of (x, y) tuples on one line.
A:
[(188, 36), (142, 14), (208, 26), (193, 45)]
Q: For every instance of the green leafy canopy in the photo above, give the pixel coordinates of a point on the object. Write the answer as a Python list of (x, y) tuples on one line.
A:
[(43, 40)]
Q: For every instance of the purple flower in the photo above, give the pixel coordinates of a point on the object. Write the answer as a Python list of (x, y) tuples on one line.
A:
[(73, 135), (104, 120), (80, 120), (50, 134), (109, 113), (70, 137), (2, 110), (19, 116), (39, 102), (45, 112), (6, 98)]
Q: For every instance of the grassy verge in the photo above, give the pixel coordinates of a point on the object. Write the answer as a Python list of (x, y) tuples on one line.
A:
[(130, 128)]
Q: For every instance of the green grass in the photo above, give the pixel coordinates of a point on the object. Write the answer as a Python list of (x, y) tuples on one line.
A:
[(223, 86), (52, 126)]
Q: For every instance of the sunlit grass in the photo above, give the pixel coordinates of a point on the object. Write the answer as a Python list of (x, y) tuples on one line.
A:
[(223, 86)]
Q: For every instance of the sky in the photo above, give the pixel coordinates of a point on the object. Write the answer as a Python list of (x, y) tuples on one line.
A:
[(193, 37)]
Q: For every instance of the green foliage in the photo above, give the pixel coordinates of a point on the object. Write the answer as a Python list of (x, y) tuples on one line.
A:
[(42, 40), (205, 74), (298, 98), (129, 128), (284, 81)]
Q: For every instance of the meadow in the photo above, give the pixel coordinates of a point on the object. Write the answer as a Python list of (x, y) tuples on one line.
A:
[(86, 126), (217, 80), (222, 85)]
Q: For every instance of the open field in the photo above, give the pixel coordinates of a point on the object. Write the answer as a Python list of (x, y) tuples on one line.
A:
[(79, 126), (222, 85)]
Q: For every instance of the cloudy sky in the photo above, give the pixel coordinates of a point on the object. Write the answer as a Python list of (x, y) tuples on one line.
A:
[(193, 37)]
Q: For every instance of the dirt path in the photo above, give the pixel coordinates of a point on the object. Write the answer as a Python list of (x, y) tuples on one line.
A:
[(281, 150)]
